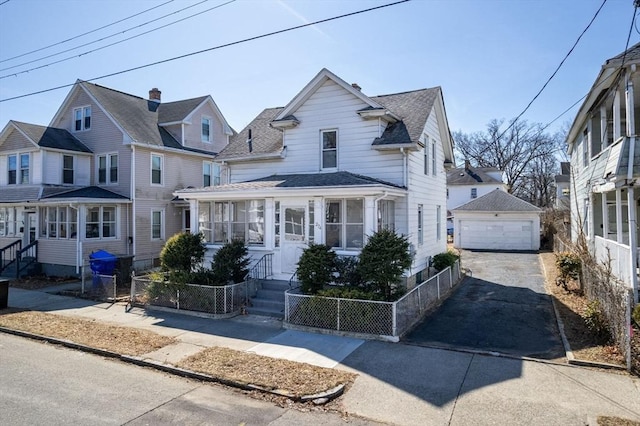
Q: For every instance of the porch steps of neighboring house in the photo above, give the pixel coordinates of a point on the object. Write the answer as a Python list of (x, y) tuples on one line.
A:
[(10, 271), (269, 300)]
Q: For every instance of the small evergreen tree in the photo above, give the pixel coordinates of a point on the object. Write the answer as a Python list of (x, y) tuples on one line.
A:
[(383, 261), (182, 252), (316, 267), (230, 262)]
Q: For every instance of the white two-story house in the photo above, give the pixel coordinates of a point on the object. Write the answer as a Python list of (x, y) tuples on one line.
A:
[(332, 166), (102, 175), (605, 167)]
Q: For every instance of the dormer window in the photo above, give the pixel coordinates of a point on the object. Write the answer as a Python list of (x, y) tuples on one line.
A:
[(329, 148), (206, 129), (82, 118)]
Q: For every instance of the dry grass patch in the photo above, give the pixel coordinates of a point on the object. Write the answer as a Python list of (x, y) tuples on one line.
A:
[(616, 421), (297, 379), (118, 339), (571, 307)]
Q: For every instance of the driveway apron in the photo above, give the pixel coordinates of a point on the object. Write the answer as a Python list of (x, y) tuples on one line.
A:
[(501, 306)]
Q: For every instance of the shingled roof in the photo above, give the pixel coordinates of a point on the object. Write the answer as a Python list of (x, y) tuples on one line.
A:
[(413, 108), (471, 176), (51, 137), (630, 55), (88, 192), (498, 201), (170, 112), (264, 138)]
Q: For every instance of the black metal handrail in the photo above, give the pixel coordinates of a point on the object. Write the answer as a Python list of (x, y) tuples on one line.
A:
[(9, 254), (31, 252), (263, 268)]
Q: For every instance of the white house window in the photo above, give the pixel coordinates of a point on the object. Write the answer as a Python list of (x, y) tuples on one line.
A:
[(474, 192), (585, 148), (420, 227), (18, 169), (156, 169), (329, 149), (433, 157), (58, 222), (67, 169), (243, 220), (344, 223), (107, 169), (438, 222), (157, 228), (426, 155), (210, 173), (9, 224), (386, 215), (82, 118), (100, 222), (206, 129)]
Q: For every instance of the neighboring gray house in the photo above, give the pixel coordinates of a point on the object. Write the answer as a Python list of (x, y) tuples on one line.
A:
[(497, 221), (332, 166), (103, 173), (563, 190), (605, 165)]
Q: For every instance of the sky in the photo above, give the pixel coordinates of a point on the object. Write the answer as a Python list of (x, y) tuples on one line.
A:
[(489, 56)]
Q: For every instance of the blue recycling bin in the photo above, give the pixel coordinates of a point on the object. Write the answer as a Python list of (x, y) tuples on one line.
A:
[(101, 262)]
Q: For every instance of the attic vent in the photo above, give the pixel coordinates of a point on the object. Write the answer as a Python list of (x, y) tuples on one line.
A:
[(250, 141), (356, 86)]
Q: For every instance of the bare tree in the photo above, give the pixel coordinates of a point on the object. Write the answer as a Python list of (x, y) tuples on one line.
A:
[(524, 152)]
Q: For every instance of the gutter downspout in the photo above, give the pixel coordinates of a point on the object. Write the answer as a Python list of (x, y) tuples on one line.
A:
[(78, 243), (631, 206), (405, 166)]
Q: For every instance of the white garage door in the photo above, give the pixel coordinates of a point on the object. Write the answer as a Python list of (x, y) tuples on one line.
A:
[(496, 235)]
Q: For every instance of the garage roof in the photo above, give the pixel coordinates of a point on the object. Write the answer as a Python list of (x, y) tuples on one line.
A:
[(498, 201)]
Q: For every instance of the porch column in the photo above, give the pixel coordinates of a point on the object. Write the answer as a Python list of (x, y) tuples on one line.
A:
[(269, 223), (631, 205), (319, 215), (369, 215), (619, 236), (605, 216), (195, 215), (616, 115), (603, 127)]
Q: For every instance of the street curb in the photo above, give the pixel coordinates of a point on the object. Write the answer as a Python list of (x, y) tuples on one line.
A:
[(318, 398)]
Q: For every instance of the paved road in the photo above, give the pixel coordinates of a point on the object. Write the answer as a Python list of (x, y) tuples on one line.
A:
[(44, 384), (502, 307)]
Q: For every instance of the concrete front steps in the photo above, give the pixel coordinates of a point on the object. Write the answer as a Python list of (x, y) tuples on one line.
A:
[(269, 300)]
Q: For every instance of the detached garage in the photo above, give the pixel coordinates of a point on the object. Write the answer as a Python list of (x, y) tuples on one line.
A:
[(497, 221)]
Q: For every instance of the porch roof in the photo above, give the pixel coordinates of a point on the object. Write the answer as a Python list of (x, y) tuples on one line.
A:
[(29, 193), (612, 165), (311, 184), (87, 193)]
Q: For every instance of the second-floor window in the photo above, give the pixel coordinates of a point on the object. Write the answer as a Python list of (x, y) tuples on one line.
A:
[(156, 169), (107, 169), (585, 148), (474, 192), (426, 155), (206, 129), (433, 157), (210, 174), (67, 169), (329, 149), (82, 118), (18, 169), (420, 227)]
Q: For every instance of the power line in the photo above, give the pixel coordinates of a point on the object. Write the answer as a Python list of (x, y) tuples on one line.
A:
[(96, 41), (5, 1), (111, 44), (83, 34), (212, 48), (513, 122)]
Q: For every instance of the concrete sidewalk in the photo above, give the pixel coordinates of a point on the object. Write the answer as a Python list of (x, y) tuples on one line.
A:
[(396, 384)]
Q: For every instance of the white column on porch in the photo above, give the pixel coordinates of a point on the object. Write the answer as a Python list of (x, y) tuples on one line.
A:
[(603, 126), (616, 116), (269, 223), (370, 217), (605, 216), (619, 233), (631, 202), (195, 214), (319, 215)]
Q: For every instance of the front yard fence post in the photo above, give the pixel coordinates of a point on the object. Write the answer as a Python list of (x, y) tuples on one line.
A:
[(394, 319), (338, 319), (438, 285), (178, 299), (627, 332)]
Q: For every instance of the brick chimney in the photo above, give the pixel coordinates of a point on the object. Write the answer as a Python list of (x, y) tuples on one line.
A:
[(154, 95), (356, 86)]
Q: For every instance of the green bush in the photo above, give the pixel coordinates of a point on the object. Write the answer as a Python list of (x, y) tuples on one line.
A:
[(315, 267), (230, 263), (183, 251), (348, 272), (383, 260), (442, 261), (596, 322), (636, 314), (569, 265), (349, 293)]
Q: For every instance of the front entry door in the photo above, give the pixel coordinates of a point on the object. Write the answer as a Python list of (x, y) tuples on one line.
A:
[(29, 233), (294, 236)]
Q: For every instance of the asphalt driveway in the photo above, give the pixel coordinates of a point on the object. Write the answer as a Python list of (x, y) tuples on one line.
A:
[(502, 307)]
